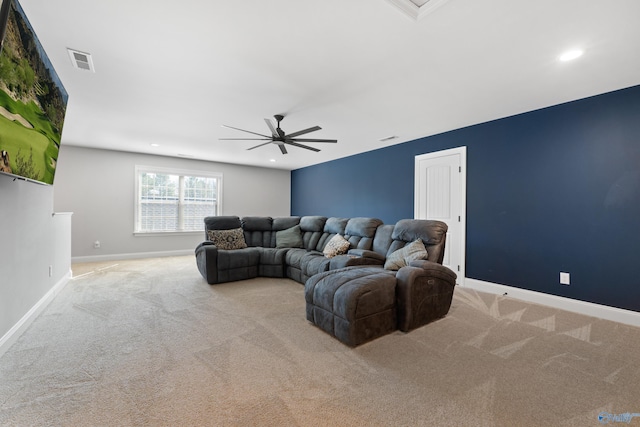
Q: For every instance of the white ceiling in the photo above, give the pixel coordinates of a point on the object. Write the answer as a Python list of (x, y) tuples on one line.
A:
[(171, 73)]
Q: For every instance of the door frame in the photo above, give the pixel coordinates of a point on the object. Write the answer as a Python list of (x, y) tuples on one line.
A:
[(462, 238)]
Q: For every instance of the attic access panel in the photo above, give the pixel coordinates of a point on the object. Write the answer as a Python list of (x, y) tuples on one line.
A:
[(417, 9)]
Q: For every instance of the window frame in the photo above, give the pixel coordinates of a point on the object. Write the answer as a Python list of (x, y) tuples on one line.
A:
[(139, 169)]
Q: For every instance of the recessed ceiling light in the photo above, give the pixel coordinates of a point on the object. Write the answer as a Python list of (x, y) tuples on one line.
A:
[(155, 145), (571, 55), (272, 160)]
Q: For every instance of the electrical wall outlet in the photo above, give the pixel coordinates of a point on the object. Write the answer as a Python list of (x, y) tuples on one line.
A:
[(565, 278), (96, 244)]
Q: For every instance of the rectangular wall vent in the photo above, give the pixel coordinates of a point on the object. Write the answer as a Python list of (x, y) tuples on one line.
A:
[(81, 60)]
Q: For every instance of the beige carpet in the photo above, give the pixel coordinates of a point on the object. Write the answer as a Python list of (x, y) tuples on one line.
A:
[(148, 342)]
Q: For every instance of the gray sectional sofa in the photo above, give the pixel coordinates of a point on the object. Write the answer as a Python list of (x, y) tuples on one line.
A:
[(355, 295)]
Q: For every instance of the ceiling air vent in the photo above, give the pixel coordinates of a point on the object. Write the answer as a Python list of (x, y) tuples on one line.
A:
[(417, 9), (81, 60)]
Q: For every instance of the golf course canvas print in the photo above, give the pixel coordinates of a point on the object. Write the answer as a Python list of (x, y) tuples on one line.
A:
[(32, 102)]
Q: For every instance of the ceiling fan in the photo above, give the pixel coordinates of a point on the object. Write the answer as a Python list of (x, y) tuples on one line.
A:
[(279, 137)]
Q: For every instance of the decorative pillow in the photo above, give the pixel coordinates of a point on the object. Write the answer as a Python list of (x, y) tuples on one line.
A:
[(402, 257), (289, 238), (338, 245), (228, 239)]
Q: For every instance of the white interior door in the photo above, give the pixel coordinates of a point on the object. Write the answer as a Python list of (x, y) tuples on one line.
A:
[(440, 193)]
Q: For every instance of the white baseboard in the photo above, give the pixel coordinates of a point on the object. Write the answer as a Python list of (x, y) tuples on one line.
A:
[(18, 329), (587, 308), (136, 255)]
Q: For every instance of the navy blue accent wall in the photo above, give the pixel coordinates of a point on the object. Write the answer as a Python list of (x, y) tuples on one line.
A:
[(556, 189)]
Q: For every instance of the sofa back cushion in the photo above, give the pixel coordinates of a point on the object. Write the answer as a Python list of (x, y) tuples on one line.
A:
[(382, 240), (257, 230), (360, 232), (285, 222), (432, 233), (283, 230), (332, 227), (289, 238), (220, 223), (312, 229)]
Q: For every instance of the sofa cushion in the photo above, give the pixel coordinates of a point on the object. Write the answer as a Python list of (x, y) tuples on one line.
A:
[(235, 265), (432, 233), (402, 257), (354, 305), (293, 257), (312, 230), (271, 262), (313, 263), (289, 238), (336, 246), (382, 240), (363, 227), (282, 223), (256, 223), (312, 223), (220, 223), (227, 239), (360, 232), (335, 225), (257, 230), (299, 262)]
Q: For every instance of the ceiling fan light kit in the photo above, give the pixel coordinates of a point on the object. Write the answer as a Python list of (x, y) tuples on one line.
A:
[(279, 137)]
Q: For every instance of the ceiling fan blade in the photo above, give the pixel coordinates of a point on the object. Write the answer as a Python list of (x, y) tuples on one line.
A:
[(245, 139), (271, 128), (314, 140), (282, 148), (302, 132), (260, 145), (248, 131), (301, 146)]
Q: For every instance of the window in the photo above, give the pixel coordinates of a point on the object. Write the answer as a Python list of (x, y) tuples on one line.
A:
[(170, 200)]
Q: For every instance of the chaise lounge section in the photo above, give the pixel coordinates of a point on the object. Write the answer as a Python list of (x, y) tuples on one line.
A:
[(358, 304)]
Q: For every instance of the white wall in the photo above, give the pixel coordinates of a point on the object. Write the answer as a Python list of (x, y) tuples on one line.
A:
[(98, 186), (31, 240)]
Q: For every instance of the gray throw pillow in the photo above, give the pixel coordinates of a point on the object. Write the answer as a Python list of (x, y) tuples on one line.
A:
[(289, 238), (402, 257), (227, 239)]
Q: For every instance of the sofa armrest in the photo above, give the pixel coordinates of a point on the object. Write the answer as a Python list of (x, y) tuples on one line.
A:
[(430, 265), (364, 253), (424, 292), (205, 243), (356, 257), (341, 261), (207, 261)]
